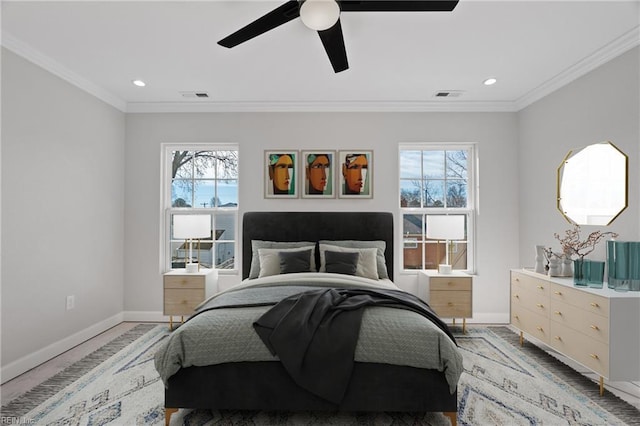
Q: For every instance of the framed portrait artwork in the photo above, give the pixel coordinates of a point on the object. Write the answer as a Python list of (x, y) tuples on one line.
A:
[(281, 174), (318, 167), (356, 174)]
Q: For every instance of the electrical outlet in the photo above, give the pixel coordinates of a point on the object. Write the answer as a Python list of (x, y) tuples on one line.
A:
[(71, 302)]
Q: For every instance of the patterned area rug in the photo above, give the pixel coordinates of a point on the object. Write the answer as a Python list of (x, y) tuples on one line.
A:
[(503, 384)]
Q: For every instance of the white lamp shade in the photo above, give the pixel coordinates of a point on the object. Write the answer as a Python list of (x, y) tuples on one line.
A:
[(191, 226), (440, 227), (319, 15)]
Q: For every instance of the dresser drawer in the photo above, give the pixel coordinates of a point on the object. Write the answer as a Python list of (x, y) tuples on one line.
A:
[(588, 351), (184, 281), (587, 323), (533, 301), (182, 301), (450, 283), (531, 284), (530, 322), (589, 302), (451, 304)]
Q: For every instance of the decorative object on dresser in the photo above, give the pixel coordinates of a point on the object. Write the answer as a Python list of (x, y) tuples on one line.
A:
[(189, 227), (573, 246), (184, 291), (447, 228), (450, 295), (623, 259), (599, 329)]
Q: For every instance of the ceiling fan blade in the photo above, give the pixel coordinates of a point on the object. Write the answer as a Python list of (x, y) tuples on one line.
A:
[(397, 5), (333, 43), (278, 16)]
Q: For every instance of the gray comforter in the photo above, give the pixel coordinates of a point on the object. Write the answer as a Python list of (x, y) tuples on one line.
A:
[(220, 334)]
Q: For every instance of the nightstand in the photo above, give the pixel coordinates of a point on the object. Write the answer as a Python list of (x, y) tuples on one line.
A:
[(184, 291), (450, 295)]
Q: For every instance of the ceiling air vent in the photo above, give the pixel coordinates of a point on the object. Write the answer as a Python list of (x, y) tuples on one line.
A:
[(194, 94), (448, 94)]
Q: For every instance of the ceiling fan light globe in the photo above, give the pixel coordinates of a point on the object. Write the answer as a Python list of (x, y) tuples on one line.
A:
[(319, 15)]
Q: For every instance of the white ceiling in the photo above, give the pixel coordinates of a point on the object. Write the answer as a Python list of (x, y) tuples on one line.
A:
[(398, 61)]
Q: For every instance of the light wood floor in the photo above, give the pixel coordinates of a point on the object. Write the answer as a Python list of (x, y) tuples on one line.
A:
[(629, 391)]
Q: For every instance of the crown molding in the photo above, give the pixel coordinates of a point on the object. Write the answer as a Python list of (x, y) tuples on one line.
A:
[(619, 46), (344, 106), (603, 55), (24, 50)]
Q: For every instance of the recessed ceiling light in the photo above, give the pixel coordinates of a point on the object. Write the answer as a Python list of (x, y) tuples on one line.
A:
[(490, 81), (139, 83)]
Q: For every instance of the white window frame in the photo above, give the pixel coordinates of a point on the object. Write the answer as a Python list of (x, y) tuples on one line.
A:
[(166, 209), (471, 211)]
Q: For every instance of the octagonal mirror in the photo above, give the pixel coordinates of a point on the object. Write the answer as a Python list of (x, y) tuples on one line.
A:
[(592, 184)]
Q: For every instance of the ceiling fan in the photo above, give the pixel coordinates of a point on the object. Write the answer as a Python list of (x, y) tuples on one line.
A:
[(323, 16)]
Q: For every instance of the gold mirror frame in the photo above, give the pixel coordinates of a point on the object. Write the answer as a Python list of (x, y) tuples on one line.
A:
[(593, 184)]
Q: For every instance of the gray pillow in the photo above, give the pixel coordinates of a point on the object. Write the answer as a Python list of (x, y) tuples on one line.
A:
[(256, 245), (292, 262), (341, 262), (380, 245)]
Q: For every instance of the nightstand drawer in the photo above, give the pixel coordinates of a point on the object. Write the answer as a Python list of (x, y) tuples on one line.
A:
[(451, 304), (450, 283), (182, 301), (184, 281)]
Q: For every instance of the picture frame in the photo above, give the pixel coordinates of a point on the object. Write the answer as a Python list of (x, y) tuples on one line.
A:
[(318, 173), (355, 170), (281, 173)]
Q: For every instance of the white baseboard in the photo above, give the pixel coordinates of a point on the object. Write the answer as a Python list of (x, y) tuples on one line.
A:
[(34, 359)]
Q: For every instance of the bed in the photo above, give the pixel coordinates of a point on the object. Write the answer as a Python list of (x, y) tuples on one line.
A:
[(391, 369)]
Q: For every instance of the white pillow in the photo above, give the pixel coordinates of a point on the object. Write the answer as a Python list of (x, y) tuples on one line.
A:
[(270, 260), (367, 262)]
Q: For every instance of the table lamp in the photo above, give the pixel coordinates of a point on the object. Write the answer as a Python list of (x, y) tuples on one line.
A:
[(189, 227), (441, 227)]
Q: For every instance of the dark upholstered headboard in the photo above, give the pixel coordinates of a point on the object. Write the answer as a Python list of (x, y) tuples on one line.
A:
[(316, 226)]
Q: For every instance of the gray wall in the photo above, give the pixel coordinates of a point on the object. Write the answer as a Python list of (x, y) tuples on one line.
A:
[(495, 133), (62, 211), (603, 105)]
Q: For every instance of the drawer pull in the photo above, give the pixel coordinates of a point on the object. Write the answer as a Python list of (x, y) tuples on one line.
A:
[(517, 296), (539, 328), (595, 327), (516, 317), (541, 287), (558, 338), (449, 303), (594, 304), (539, 305), (594, 356), (558, 293), (558, 313), (449, 283), (518, 279), (184, 302)]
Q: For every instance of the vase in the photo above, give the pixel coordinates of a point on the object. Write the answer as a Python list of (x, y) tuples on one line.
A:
[(623, 260), (594, 273), (540, 260), (566, 270), (554, 267), (578, 273)]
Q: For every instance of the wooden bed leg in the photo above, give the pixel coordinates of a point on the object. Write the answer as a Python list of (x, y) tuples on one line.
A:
[(167, 415), (453, 417)]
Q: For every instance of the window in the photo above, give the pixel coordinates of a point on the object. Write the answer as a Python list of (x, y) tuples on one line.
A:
[(437, 204), (201, 179)]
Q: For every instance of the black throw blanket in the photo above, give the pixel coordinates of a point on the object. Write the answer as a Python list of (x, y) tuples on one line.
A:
[(315, 333)]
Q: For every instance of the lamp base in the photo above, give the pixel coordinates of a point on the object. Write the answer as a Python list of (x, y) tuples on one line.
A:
[(444, 269), (191, 268)]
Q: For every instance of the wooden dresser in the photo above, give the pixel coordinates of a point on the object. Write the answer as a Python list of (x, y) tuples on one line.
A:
[(598, 328), (184, 291), (450, 295)]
